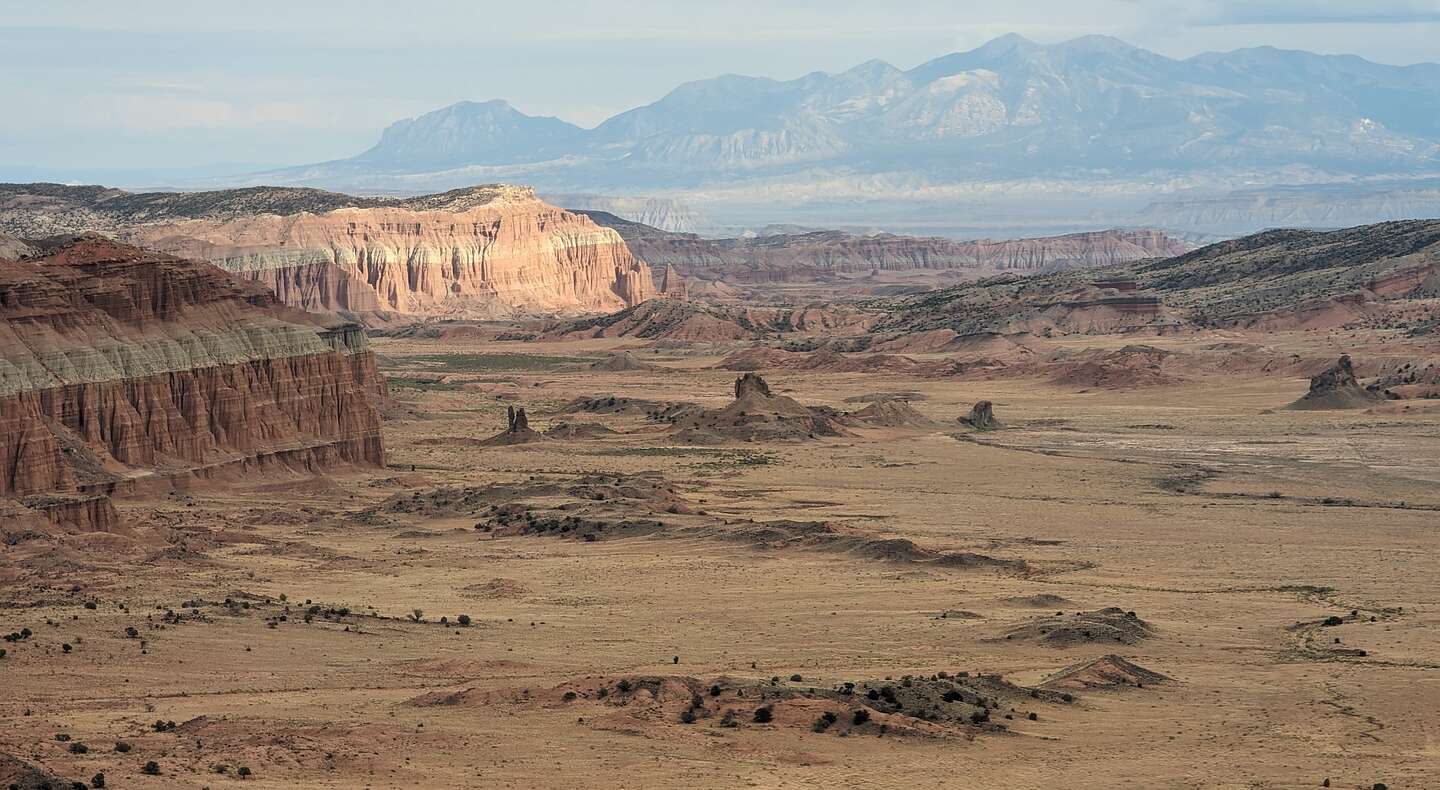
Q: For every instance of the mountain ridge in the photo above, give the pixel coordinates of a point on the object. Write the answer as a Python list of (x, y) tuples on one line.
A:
[(1103, 126)]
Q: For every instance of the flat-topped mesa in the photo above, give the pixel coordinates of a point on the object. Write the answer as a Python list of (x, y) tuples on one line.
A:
[(487, 251), (119, 366), (811, 255)]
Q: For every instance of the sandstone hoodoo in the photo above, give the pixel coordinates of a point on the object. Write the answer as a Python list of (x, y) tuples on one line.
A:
[(758, 414), (982, 417), (517, 430), (119, 366), (484, 251), (1336, 388), (672, 285)]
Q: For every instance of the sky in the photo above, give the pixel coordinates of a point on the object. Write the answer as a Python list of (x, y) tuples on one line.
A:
[(120, 87)]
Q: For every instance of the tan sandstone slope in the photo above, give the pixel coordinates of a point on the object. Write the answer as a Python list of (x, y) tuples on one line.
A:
[(478, 252), (120, 367)]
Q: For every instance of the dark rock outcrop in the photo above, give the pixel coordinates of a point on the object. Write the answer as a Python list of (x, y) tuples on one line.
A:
[(982, 417), (751, 384), (517, 430), (757, 414), (1336, 388)]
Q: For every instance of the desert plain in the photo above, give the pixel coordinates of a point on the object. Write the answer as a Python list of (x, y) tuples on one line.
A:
[(1173, 586)]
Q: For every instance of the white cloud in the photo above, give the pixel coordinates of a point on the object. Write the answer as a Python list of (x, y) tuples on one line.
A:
[(1295, 12)]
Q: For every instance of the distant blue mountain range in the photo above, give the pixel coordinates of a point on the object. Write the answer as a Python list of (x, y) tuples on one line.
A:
[(1090, 110)]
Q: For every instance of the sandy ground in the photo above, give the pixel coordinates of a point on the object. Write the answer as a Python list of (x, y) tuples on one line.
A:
[(1232, 529)]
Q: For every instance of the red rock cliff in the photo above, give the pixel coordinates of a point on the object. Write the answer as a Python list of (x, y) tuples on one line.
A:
[(119, 366), (482, 252)]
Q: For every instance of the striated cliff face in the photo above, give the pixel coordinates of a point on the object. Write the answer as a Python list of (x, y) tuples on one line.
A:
[(808, 256), (120, 367), (478, 252)]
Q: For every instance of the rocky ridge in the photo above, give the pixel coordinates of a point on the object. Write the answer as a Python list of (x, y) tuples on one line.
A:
[(822, 254), (1384, 276)]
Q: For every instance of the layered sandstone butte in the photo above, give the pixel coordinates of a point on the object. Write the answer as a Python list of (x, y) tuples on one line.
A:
[(805, 256), (672, 285), (120, 367), (486, 251)]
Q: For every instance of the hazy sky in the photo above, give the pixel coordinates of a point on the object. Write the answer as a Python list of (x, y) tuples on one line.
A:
[(148, 84)]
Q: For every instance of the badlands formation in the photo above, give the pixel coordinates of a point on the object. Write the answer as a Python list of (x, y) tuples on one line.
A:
[(123, 370), (1057, 530)]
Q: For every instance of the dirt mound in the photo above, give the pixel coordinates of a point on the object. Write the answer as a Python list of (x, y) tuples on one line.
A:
[(936, 706), (1336, 388), (590, 507), (825, 361), (620, 362), (1040, 600), (665, 411), (823, 536), (456, 501), (1105, 626), (982, 417), (518, 431), (1131, 367), (659, 318), (497, 587), (16, 773), (580, 430), (891, 414), (1108, 671), (877, 397), (757, 414), (1408, 379), (759, 358)]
